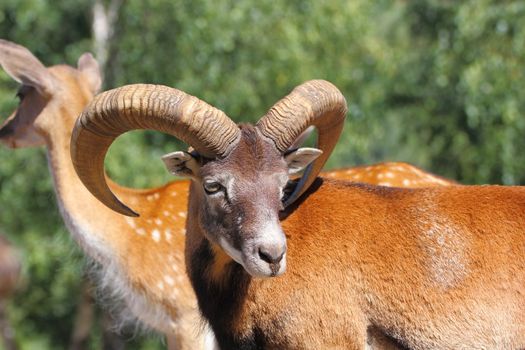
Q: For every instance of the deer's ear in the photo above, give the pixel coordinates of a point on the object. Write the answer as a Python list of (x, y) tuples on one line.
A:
[(25, 68), (90, 69), (299, 159), (181, 164)]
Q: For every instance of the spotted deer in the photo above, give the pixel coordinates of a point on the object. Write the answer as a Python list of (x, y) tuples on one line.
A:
[(331, 264), (129, 250)]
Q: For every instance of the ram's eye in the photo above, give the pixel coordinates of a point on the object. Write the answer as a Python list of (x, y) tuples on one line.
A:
[(212, 187)]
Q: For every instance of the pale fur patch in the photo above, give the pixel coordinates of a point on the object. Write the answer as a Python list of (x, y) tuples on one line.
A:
[(445, 245)]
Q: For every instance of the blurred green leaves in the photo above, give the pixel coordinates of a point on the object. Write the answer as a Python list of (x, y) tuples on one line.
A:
[(436, 83)]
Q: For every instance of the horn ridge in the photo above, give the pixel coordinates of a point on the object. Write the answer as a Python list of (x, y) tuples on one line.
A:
[(315, 102), (144, 106)]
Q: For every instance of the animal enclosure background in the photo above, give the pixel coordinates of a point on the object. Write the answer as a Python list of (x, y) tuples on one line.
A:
[(439, 84)]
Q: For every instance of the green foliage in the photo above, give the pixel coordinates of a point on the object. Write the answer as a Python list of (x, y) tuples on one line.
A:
[(436, 83)]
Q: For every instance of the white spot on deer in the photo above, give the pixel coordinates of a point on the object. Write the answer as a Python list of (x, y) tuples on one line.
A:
[(140, 231), (149, 198), (160, 285), (357, 176), (173, 194), (398, 168), (156, 195), (384, 183), (166, 213), (155, 234), (390, 175), (158, 221), (130, 221), (406, 182), (175, 267), (170, 281), (149, 221), (182, 214), (183, 231), (380, 176), (168, 235)]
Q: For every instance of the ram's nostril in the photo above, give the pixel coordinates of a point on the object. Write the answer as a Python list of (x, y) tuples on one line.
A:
[(272, 255)]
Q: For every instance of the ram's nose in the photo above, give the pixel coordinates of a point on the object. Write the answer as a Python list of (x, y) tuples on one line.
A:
[(272, 254)]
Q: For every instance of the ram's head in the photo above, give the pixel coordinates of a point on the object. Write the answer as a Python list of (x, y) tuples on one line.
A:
[(239, 173)]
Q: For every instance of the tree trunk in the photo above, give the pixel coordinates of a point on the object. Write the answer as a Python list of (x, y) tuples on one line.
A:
[(103, 26), (7, 333)]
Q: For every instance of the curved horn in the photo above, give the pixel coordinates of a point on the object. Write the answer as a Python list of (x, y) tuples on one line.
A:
[(140, 106), (318, 103)]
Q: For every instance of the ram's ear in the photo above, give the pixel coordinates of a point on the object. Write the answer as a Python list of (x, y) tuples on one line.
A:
[(181, 164), (299, 159), (25, 68), (90, 69)]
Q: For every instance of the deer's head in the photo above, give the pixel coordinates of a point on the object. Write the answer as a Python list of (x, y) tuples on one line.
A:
[(44, 95)]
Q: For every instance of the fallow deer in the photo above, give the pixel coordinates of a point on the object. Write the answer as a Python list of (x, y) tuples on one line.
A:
[(428, 268)]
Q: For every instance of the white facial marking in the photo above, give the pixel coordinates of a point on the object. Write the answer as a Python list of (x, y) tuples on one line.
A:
[(270, 234), (230, 250)]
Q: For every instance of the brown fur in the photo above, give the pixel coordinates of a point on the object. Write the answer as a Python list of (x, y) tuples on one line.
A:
[(438, 268)]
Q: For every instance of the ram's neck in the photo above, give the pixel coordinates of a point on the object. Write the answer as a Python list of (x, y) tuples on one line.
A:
[(221, 286)]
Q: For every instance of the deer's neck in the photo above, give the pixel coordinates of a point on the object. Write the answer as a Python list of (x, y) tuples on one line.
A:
[(85, 217)]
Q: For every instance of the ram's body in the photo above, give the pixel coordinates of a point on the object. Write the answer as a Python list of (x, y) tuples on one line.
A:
[(439, 268)]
